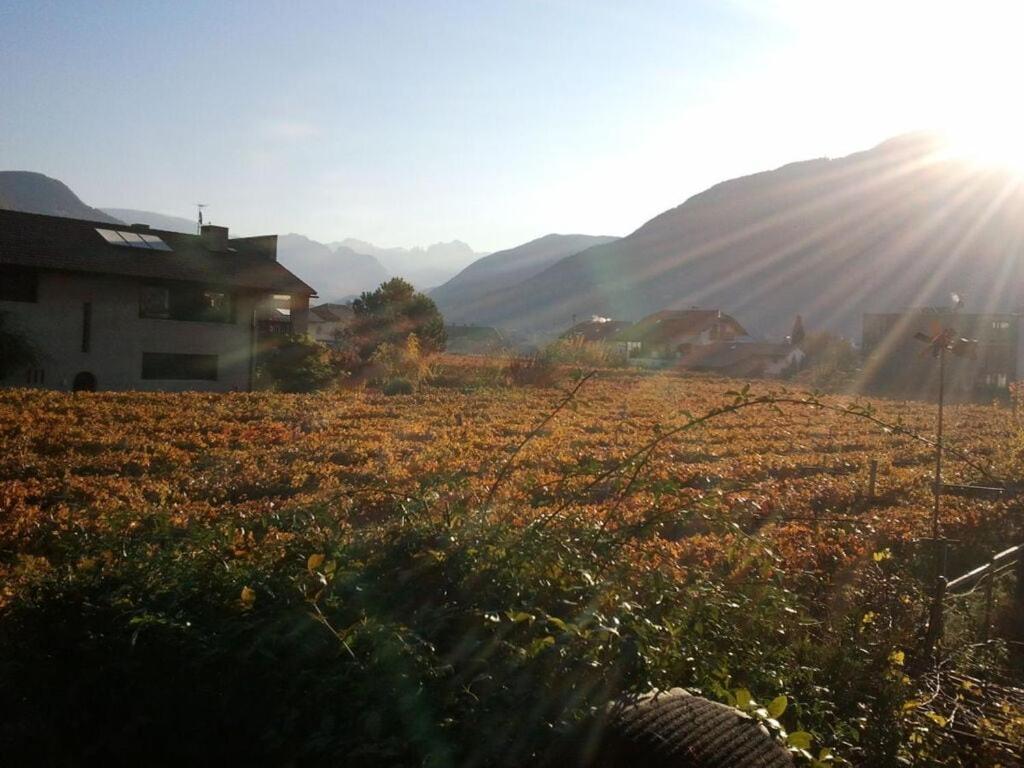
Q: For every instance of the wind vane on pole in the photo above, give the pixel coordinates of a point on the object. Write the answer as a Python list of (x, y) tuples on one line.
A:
[(199, 209)]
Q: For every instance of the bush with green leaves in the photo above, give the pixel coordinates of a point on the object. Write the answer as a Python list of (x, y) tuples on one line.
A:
[(299, 364), (406, 362)]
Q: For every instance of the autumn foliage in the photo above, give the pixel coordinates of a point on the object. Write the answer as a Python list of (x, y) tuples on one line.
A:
[(460, 576)]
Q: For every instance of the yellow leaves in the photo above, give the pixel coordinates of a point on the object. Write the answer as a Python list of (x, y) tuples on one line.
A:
[(799, 740), (896, 658), (314, 561), (936, 718), (777, 706), (884, 554), (743, 698), (247, 597)]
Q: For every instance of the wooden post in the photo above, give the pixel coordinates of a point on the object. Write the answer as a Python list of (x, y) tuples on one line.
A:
[(934, 631), (939, 553), (872, 476), (985, 627), (1019, 597)]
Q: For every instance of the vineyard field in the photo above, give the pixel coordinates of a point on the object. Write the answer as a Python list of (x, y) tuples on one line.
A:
[(603, 528)]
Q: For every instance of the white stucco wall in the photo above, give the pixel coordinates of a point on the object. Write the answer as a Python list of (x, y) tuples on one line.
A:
[(119, 336)]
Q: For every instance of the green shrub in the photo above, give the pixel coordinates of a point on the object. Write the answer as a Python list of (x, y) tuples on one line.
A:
[(399, 386), (407, 361), (298, 364)]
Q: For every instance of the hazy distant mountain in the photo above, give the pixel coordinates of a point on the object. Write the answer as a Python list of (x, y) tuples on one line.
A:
[(466, 296), (335, 273), (155, 220), (35, 193), (900, 225), (423, 267)]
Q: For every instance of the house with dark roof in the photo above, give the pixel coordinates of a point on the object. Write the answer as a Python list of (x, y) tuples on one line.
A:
[(596, 329), (327, 323), (671, 334), (117, 307)]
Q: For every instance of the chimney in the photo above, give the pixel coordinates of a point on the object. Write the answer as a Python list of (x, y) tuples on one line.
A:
[(214, 238), (264, 246)]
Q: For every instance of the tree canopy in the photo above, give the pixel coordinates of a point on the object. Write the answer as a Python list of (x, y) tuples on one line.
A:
[(390, 313)]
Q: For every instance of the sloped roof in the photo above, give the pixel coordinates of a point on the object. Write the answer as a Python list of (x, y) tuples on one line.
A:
[(330, 313), (664, 326), (596, 330), (52, 242)]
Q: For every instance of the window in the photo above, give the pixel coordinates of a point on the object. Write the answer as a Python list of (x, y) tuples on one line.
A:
[(18, 284), (155, 301), (182, 301), (86, 325), (217, 304), (179, 367)]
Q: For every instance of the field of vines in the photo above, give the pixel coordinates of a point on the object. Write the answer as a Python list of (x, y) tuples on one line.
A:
[(460, 576)]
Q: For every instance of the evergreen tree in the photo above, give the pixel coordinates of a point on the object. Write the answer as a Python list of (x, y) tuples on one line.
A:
[(389, 314)]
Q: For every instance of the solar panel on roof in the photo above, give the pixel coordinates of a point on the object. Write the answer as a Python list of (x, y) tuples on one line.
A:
[(155, 243), (112, 237), (133, 240)]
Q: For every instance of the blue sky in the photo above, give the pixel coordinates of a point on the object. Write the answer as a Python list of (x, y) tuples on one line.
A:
[(492, 122)]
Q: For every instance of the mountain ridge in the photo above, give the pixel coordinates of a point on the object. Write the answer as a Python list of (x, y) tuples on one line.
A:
[(827, 238), (34, 192), (459, 297)]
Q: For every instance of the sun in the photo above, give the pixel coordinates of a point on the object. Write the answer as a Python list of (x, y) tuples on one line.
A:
[(994, 143)]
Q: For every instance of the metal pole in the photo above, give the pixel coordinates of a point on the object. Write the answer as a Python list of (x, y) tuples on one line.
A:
[(938, 449)]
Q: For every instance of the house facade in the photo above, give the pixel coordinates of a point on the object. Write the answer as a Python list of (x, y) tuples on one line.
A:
[(672, 334), (745, 359), (898, 363), (111, 307)]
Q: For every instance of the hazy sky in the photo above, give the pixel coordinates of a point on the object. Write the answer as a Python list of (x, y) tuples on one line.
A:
[(407, 123)]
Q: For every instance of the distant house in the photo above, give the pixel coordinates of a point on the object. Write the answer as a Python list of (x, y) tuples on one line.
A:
[(596, 329), (898, 364), (127, 307), (671, 334), (743, 359), (328, 322)]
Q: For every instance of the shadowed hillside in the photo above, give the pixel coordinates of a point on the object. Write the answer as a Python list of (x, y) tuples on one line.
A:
[(36, 193), (467, 294), (901, 224)]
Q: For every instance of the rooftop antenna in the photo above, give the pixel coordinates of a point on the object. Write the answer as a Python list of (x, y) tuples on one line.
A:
[(199, 209)]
